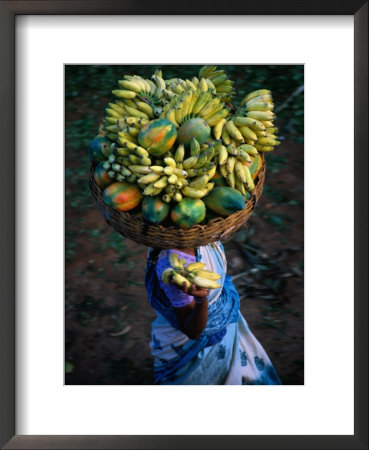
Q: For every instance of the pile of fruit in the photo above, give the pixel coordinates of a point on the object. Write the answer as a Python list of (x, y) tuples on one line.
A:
[(178, 151), (194, 273)]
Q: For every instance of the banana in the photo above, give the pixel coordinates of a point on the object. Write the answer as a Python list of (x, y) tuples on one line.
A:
[(149, 178), (172, 179), (268, 141), (205, 71), (240, 174), (233, 131), (218, 128), (194, 147), (201, 161), (194, 98), (255, 94), (178, 113), (173, 260), (135, 121), (150, 189), (272, 130), (112, 113), (260, 99), (249, 122), (206, 283), (223, 170), (168, 170), (179, 154), (231, 179), (140, 170), (231, 149), (248, 149), (195, 266), (222, 114), (249, 181), (243, 156), (225, 136), (166, 275), (161, 183), (167, 198), (231, 161), (261, 115), (171, 116), (144, 107), (223, 155), (180, 173), (144, 160), (170, 189), (264, 148), (210, 85), (209, 108), (202, 100), (240, 187), (177, 196), (187, 103), (124, 94), (203, 87), (247, 133), (136, 113), (199, 182), (194, 193), (267, 123), (211, 172), (119, 109), (130, 85), (181, 281), (170, 162), (157, 169), (206, 274), (259, 106)]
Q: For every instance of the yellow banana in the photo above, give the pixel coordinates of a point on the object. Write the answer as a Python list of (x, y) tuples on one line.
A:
[(260, 99), (136, 113), (249, 181), (205, 283), (214, 119), (205, 71), (267, 123), (130, 85), (149, 178), (264, 148), (194, 193), (180, 280), (223, 155), (144, 107), (248, 133), (199, 182), (259, 106), (170, 162), (203, 85), (218, 128), (140, 170), (267, 141), (255, 94), (248, 122), (166, 275), (177, 196), (173, 260), (233, 131), (206, 274), (261, 115), (124, 94), (240, 174), (226, 137), (248, 149), (162, 182), (231, 161), (231, 179), (157, 169), (179, 154), (210, 107), (195, 266)]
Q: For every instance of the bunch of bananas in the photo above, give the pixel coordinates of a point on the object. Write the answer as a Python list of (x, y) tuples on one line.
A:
[(194, 273), (213, 139)]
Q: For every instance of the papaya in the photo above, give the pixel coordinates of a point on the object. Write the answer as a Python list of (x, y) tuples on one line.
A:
[(224, 201), (197, 128), (101, 176), (188, 212), (122, 196), (158, 136), (154, 210), (99, 149), (254, 165)]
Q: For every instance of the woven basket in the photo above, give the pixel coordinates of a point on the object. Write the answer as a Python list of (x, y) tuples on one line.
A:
[(137, 229)]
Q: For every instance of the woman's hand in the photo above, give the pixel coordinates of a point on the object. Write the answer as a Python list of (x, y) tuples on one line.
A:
[(193, 290)]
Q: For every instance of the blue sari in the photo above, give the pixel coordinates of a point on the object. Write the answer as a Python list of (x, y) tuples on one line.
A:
[(225, 353)]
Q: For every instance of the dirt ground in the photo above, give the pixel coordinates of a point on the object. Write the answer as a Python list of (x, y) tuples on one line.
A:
[(105, 294)]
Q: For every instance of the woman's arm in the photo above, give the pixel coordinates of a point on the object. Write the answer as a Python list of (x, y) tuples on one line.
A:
[(194, 316)]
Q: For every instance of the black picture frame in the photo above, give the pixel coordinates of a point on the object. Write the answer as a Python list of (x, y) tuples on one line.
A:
[(8, 12)]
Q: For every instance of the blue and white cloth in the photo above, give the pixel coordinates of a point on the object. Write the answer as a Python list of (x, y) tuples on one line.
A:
[(226, 352)]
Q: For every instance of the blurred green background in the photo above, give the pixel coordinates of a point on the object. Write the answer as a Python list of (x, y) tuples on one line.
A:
[(107, 315)]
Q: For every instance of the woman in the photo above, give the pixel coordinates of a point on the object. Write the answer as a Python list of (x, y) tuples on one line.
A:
[(200, 336)]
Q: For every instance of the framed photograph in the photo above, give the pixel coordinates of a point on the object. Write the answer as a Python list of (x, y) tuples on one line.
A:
[(53, 55)]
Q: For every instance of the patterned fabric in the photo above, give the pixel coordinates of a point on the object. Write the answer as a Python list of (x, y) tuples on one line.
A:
[(226, 352)]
